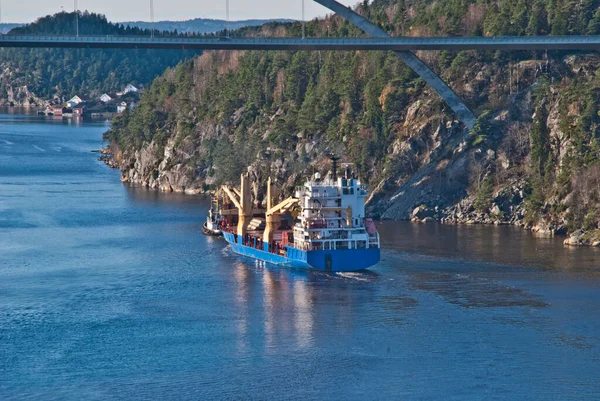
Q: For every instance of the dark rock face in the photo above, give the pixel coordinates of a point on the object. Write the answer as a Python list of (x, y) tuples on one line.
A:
[(165, 169)]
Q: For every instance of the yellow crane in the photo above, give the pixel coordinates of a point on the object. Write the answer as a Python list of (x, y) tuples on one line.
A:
[(274, 212), (242, 200)]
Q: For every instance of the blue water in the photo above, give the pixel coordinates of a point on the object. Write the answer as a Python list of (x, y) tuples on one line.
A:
[(108, 292)]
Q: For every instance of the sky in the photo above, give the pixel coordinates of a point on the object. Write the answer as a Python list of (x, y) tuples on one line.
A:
[(134, 10)]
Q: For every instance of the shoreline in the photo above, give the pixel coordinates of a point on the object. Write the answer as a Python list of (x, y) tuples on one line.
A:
[(420, 215)]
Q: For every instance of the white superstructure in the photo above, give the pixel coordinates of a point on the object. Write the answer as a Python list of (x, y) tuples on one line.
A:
[(333, 215)]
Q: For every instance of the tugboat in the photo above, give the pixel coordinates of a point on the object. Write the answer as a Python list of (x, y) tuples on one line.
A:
[(323, 227), (213, 221)]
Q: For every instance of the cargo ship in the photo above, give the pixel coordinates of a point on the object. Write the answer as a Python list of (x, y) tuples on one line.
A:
[(322, 227)]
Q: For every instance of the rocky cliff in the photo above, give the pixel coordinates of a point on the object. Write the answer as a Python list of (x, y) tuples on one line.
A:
[(15, 92)]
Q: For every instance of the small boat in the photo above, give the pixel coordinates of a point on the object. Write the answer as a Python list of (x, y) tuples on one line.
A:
[(208, 229), (212, 224)]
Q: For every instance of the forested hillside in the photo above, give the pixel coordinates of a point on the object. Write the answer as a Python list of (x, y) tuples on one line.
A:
[(531, 160), (31, 75)]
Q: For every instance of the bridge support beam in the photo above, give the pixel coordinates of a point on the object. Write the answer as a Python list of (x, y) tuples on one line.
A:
[(460, 109)]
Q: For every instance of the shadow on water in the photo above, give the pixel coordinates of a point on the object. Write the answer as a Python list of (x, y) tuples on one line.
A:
[(150, 197), (496, 244), (463, 282)]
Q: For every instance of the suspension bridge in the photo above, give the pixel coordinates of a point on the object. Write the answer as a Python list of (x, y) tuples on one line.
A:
[(379, 41)]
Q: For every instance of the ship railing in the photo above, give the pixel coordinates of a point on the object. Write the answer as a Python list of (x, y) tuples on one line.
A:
[(317, 194), (312, 223), (374, 241), (333, 224), (330, 237)]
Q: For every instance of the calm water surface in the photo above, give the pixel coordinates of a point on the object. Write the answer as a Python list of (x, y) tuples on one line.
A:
[(111, 292)]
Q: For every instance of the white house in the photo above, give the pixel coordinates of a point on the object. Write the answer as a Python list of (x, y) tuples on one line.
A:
[(74, 101), (105, 98), (128, 89), (121, 107)]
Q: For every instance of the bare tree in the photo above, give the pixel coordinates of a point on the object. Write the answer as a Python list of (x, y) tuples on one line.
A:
[(478, 170), (516, 142)]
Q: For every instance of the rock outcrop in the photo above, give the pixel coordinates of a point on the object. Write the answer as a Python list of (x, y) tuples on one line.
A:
[(583, 238)]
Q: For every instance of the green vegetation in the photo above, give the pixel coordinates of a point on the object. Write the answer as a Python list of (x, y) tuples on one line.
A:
[(482, 128), (484, 197), (66, 72), (592, 236)]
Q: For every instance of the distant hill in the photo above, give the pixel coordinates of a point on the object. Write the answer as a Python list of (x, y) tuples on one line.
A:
[(200, 25), (4, 28), (196, 26)]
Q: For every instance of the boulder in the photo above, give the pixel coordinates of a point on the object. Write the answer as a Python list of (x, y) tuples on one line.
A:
[(411, 113), (421, 213), (574, 240), (543, 230)]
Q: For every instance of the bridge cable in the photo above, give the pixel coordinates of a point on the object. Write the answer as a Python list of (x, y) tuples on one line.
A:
[(227, 19), (509, 77), (303, 22), (75, 6), (151, 18)]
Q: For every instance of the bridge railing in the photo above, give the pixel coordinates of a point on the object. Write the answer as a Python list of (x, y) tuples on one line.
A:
[(377, 43)]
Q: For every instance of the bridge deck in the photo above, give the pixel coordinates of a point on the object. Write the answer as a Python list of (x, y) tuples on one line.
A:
[(395, 44)]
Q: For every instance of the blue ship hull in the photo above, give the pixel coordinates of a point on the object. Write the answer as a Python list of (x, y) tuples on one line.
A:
[(343, 260)]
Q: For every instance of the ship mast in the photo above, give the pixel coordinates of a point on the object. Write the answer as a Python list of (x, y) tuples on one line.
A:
[(334, 165)]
